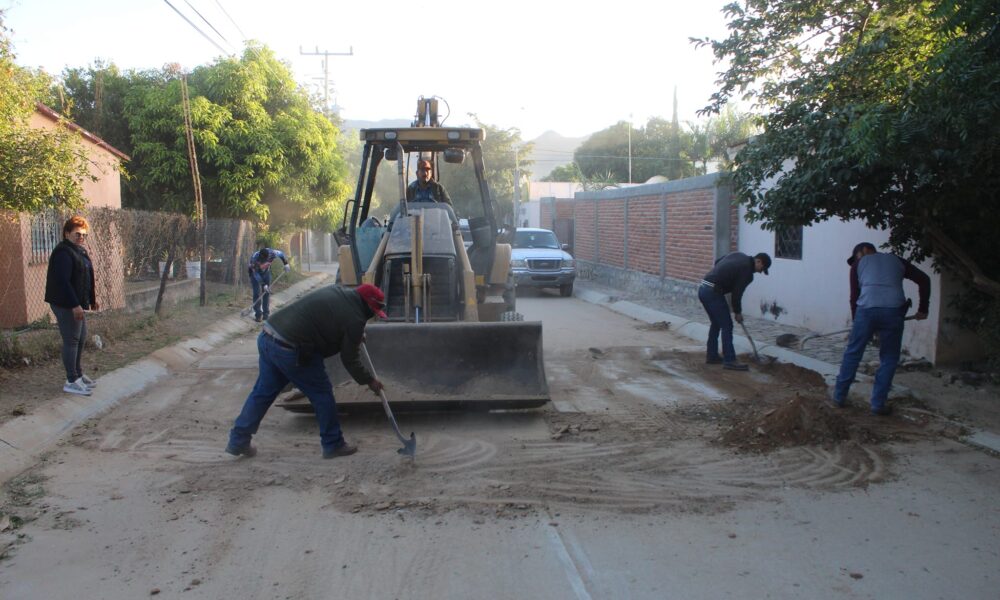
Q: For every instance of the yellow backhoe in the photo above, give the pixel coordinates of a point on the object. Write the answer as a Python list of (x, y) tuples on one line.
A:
[(453, 339)]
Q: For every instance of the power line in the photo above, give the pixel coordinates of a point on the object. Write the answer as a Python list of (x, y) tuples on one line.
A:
[(231, 20), (204, 35), (217, 32)]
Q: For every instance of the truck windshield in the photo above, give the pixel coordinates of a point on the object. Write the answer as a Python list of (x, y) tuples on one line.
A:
[(536, 239)]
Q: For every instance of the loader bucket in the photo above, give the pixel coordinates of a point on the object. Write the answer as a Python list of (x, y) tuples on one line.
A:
[(445, 366)]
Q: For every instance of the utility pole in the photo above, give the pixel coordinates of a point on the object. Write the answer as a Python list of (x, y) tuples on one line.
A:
[(326, 70), (517, 188), (199, 204), (630, 147)]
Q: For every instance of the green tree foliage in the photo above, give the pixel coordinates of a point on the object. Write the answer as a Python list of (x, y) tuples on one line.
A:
[(569, 172), (264, 151), (661, 147), (886, 112), (500, 157), (39, 168)]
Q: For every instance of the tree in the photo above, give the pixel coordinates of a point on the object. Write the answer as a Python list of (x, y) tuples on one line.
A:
[(569, 172), (658, 148), (887, 112), (265, 152), (39, 168), (502, 148)]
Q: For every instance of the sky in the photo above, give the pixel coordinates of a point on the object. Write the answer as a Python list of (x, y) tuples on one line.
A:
[(573, 67)]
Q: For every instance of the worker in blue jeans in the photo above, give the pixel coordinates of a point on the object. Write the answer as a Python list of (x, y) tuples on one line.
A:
[(291, 348), (731, 275), (878, 305), (260, 278)]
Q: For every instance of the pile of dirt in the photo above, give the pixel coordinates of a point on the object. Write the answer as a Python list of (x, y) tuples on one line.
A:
[(799, 421)]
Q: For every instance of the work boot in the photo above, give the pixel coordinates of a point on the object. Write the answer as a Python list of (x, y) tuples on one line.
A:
[(344, 449), (735, 366), (832, 397), (882, 411), (257, 319), (247, 451), (713, 360)]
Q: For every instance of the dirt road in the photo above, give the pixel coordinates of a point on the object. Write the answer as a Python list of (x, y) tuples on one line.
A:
[(651, 475)]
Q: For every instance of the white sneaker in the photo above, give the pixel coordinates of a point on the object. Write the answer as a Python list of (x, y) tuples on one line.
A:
[(77, 387), (90, 383)]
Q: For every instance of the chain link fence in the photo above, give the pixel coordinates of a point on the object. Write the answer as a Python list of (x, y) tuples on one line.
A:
[(130, 250)]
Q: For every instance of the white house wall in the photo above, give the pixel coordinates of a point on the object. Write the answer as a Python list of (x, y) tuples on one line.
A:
[(815, 292)]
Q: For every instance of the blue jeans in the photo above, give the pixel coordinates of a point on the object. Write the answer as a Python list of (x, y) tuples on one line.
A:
[(278, 366), (718, 312), (264, 306), (74, 336), (888, 323)]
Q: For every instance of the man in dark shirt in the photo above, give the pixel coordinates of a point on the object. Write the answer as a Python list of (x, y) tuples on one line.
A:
[(731, 275), (425, 189), (292, 346), (878, 305)]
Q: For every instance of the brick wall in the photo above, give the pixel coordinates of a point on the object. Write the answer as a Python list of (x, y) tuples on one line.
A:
[(668, 230)]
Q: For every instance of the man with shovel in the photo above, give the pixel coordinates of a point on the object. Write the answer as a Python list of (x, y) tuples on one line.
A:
[(260, 279), (731, 275), (292, 346), (878, 305)]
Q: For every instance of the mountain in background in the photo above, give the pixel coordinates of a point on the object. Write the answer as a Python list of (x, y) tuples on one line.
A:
[(551, 149)]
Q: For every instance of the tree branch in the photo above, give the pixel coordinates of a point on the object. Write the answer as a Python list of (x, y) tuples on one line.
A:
[(944, 244)]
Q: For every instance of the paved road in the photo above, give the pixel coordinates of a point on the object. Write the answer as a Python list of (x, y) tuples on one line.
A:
[(629, 502)]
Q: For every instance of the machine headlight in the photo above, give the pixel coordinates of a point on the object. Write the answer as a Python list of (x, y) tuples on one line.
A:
[(569, 264), (518, 263)]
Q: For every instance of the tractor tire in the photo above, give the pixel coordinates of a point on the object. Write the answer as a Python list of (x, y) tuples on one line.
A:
[(510, 294)]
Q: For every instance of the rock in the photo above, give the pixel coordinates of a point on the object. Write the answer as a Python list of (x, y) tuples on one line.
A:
[(383, 506), (589, 427), (972, 378)]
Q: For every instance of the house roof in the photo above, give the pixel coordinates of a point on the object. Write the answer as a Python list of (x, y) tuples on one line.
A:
[(90, 137)]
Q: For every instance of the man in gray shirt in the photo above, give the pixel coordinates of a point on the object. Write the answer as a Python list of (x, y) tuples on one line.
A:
[(878, 305)]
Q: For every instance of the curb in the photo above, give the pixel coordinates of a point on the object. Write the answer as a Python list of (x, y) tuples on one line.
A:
[(24, 439), (698, 331)]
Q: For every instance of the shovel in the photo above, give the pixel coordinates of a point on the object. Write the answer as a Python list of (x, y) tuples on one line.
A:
[(247, 311), (754, 346), (409, 445), (789, 340)]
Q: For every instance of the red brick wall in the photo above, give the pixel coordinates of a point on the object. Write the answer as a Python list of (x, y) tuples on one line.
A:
[(583, 229), (644, 234), (611, 246), (545, 214), (690, 234), (689, 241)]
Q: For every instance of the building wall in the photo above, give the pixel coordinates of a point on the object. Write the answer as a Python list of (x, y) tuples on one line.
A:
[(106, 190), (815, 292)]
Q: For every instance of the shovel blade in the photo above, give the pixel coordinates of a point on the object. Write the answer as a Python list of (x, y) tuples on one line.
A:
[(409, 446)]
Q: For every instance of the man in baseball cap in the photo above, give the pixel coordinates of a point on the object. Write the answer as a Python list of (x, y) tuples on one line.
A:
[(292, 345), (425, 188)]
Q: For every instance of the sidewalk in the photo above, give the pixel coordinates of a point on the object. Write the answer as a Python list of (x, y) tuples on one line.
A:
[(24, 439), (821, 355)]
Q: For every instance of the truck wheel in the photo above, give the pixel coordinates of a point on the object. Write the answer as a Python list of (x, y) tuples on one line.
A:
[(511, 316), (566, 290)]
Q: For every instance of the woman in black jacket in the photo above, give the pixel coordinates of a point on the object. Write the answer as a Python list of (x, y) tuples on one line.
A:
[(69, 290)]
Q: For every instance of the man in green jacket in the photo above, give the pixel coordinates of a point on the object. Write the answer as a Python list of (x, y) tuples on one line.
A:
[(292, 346)]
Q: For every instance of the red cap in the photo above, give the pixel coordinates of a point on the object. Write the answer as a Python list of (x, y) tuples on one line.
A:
[(373, 297)]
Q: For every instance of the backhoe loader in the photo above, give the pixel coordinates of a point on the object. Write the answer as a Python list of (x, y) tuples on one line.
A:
[(452, 339)]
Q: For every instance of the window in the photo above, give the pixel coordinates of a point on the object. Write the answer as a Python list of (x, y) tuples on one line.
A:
[(788, 242), (46, 232)]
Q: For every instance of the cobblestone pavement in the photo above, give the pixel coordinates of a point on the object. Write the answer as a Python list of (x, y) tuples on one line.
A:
[(764, 331)]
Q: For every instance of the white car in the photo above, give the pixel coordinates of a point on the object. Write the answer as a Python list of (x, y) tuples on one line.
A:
[(539, 260)]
